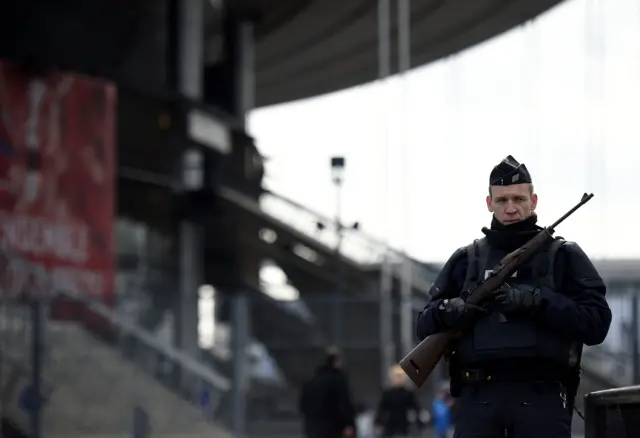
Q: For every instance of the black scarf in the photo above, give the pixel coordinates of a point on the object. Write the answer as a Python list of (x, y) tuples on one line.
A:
[(509, 237)]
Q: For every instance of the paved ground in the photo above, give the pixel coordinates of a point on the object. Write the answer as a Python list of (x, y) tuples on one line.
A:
[(364, 426), (429, 434)]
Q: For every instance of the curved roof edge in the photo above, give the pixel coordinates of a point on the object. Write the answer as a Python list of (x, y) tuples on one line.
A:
[(308, 49)]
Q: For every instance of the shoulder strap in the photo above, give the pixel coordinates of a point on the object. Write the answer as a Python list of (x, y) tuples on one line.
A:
[(548, 257), (475, 252), (472, 262)]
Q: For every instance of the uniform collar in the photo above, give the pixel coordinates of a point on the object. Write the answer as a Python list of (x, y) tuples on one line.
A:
[(509, 237)]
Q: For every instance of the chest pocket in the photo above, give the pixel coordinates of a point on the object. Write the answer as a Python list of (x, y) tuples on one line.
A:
[(496, 336), (496, 333)]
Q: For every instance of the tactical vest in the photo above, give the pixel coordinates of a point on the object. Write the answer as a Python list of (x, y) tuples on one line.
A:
[(496, 336)]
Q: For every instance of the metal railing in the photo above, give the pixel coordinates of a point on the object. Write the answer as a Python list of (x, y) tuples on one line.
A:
[(615, 367), (357, 246), (97, 344), (613, 413)]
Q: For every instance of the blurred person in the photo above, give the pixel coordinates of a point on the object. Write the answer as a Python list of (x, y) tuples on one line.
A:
[(516, 369), (441, 408), (325, 401), (396, 405)]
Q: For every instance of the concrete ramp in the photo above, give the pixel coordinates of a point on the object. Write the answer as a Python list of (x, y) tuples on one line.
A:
[(92, 391)]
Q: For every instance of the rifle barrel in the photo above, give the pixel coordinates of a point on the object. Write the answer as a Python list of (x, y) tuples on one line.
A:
[(585, 198)]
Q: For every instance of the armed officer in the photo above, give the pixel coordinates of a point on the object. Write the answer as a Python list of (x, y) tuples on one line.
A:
[(516, 370)]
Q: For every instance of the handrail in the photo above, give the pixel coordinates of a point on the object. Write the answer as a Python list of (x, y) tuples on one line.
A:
[(357, 246), (148, 340), (615, 367), (145, 337), (320, 217), (330, 238), (70, 350)]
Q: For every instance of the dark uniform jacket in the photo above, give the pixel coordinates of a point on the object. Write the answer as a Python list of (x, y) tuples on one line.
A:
[(325, 404), (573, 310), (393, 411)]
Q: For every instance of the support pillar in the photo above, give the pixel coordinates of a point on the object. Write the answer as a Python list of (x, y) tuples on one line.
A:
[(239, 343), (190, 84), (38, 349), (245, 67), (404, 64), (635, 334), (387, 344)]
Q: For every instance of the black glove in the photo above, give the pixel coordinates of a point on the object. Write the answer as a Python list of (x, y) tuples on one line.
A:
[(520, 299), (456, 314)]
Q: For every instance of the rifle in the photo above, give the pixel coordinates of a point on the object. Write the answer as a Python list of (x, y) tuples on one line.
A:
[(422, 360)]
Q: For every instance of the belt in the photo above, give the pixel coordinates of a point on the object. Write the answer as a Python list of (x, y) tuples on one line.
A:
[(515, 375)]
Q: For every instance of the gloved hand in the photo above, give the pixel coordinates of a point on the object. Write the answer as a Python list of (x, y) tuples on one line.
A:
[(521, 299), (456, 314)]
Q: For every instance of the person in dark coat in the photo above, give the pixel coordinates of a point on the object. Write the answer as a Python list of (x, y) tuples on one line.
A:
[(396, 406), (516, 370), (325, 401)]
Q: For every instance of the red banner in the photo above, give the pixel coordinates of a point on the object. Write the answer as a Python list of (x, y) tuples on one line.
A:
[(57, 154)]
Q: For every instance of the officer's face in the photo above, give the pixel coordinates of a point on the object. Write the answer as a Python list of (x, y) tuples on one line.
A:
[(513, 203)]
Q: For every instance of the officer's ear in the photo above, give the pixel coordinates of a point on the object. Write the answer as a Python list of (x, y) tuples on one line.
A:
[(489, 205), (534, 202)]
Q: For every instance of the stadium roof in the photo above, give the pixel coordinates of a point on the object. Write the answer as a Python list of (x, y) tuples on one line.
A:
[(311, 47), (304, 48)]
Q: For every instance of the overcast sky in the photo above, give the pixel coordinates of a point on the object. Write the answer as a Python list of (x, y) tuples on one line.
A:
[(561, 94)]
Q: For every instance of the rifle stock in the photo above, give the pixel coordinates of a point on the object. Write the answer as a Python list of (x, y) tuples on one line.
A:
[(422, 360)]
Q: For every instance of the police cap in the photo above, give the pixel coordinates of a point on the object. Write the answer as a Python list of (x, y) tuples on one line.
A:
[(509, 172)]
